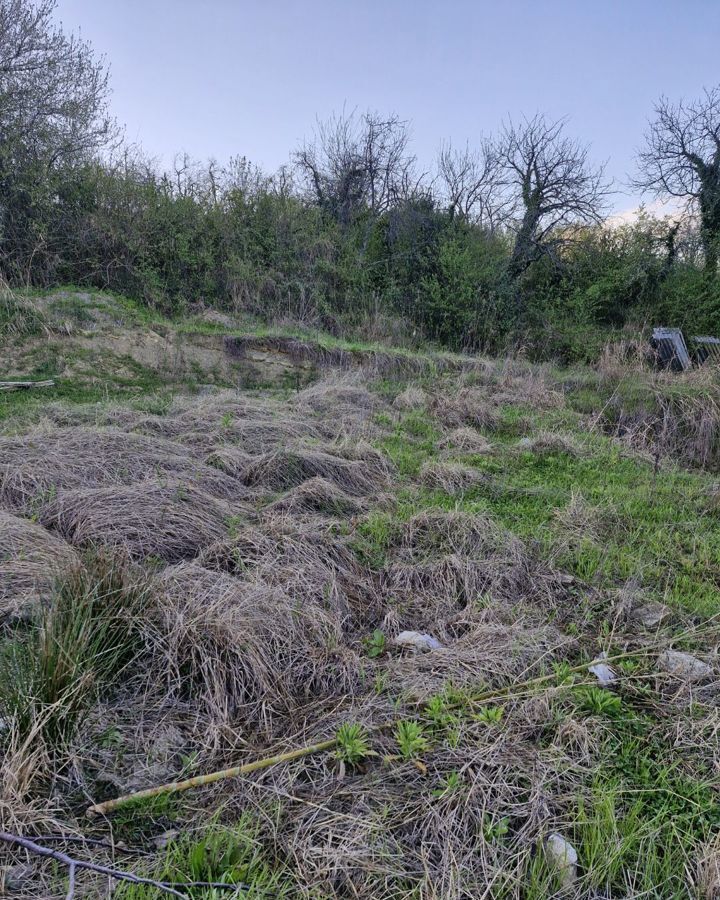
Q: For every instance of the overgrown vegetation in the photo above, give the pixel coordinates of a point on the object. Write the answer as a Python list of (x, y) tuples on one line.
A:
[(501, 246), (286, 540)]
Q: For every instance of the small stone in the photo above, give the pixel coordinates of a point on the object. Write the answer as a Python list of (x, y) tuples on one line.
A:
[(602, 671), (15, 878), (563, 857), (167, 837), (417, 641), (684, 665), (650, 614)]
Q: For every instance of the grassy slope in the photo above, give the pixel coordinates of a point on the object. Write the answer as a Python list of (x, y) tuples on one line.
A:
[(649, 809)]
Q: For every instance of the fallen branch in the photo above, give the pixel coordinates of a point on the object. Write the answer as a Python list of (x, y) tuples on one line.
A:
[(18, 385), (118, 874)]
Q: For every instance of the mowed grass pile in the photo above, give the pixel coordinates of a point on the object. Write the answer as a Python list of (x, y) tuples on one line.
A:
[(230, 576)]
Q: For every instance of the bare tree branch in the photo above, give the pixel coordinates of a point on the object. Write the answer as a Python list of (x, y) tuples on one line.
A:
[(682, 159)]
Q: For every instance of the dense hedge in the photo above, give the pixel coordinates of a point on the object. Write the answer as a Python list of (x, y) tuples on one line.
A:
[(271, 251)]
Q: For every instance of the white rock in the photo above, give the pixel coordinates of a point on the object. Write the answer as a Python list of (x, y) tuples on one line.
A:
[(417, 641), (563, 856), (684, 665), (602, 671)]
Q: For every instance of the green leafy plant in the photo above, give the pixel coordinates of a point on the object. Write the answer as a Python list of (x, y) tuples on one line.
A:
[(493, 828), (489, 715), (410, 739), (375, 644), (563, 672), (449, 785), (352, 744), (597, 702)]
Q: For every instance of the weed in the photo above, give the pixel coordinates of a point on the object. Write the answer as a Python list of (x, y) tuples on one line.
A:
[(375, 644), (598, 702), (87, 637), (352, 744), (410, 739)]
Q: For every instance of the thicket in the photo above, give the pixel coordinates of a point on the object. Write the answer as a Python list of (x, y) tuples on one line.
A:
[(504, 245)]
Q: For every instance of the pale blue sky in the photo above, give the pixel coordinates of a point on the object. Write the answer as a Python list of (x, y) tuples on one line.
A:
[(225, 77)]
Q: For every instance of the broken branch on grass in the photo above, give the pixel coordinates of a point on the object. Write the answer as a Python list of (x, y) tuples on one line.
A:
[(19, 385), (74, 864)]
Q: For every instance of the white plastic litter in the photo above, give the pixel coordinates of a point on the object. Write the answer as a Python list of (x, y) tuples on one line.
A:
[(417, 641)]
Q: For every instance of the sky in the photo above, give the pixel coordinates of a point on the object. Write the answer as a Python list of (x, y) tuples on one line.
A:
[(220, 78)]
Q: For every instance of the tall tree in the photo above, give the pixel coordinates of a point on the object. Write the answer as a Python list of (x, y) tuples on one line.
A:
[(549, 188), (468, 183), (53, 112), (681, 159)]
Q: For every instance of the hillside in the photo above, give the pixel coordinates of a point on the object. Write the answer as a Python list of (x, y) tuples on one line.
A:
[(473, 601)]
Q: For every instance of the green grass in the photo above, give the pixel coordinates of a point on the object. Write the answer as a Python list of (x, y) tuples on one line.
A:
[(229, 854), (85, 639)]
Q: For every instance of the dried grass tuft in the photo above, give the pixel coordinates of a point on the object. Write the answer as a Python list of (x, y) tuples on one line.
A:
[(453, 478), (412, 398), (310, 563), (31, 559), (316, 496), (552, 443), (446, 562), (166, 520), (37, 466), (283, 469), (465, 440), (469, 406), (245, 650)]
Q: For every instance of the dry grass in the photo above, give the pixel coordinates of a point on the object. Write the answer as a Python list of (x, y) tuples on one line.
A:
[(411, 398), (551, 443), (468, 406), (453, 478), (340, 403), (316, 496), (36, 467), (310, 563), (165, 520), (244, 649), (465, 440), (445, 563), (31, 559), (283, 469)]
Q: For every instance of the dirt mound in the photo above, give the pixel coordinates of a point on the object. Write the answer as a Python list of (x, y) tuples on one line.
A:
[(31, 559)]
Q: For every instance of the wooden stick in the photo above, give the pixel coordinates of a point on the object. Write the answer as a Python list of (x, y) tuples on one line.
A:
[(17, 385)]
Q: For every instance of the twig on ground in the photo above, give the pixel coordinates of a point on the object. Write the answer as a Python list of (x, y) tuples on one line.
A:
[(73, 864)]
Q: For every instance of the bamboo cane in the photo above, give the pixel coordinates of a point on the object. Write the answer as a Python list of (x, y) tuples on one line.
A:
[(200, 780)]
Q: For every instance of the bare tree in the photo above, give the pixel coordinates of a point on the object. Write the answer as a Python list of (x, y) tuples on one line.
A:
[(549, 188), (469, 183), (357, 163), (682, 159)]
